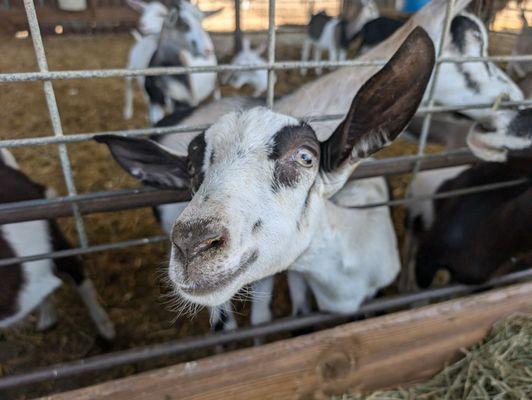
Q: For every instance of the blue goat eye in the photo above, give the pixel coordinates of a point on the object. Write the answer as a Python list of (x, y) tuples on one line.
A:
[(304, 157)]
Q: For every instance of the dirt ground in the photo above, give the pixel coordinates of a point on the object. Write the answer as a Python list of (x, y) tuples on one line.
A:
[(127, 280)]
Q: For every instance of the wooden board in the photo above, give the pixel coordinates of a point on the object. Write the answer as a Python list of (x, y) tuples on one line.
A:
[(383, 352)]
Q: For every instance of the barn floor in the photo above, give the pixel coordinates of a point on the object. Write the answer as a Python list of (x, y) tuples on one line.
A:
[(128, 281)]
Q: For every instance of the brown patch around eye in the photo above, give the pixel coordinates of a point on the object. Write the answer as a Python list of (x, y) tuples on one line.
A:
[(285, 142), (284, 174)]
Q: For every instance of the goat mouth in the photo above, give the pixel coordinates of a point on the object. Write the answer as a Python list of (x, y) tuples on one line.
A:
[(222, 282), (476, 140)]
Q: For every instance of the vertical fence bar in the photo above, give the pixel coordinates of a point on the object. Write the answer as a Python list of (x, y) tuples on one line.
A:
[(271, 53), (406, 281), (238, 31), (54, 116)]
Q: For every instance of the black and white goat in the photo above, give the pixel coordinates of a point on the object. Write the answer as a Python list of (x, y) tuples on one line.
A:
[(27, 286), (460, 84), (181, 42), (334, 33), (480, 235)]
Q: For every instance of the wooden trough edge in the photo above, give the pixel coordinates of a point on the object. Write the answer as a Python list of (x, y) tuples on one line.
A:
[(393, 350)]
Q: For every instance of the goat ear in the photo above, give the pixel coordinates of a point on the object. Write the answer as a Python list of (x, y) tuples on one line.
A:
[(210, 13), (384, 104), (137, 5), (148, 161)]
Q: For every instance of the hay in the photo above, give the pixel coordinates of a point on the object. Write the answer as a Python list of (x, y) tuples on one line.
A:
[(498, 368)]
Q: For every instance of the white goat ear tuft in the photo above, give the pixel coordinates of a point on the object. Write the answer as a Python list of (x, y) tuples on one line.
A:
[(149, 162), (384, 104)]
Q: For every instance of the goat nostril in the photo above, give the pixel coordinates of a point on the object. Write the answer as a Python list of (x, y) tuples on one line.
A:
[(213, 242)]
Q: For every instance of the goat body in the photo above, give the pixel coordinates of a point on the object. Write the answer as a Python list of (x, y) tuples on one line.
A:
[(474, 235), (27, 285)]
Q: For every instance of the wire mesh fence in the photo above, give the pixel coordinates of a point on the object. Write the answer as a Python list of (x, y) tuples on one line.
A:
[(77, 205)]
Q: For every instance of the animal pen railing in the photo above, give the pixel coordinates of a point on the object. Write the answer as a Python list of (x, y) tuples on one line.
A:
[(77, 205)]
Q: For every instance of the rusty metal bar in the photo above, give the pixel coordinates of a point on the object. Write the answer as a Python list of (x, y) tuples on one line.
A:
[(144, 197)]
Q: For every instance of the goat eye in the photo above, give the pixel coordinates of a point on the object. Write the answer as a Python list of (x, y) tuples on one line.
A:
[(305, 158)]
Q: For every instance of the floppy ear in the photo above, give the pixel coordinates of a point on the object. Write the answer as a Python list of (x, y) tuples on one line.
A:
[(148, 161), (210, 13), (384, 104), (137, 5)]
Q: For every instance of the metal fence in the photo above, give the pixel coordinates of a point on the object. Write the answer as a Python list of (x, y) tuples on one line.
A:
[(77, 205)]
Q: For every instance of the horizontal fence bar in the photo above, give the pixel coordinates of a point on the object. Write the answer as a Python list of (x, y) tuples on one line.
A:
[(83, 137), (445, 195), (155, 239), (84, 250), (144, 197), (176, 347), (278, 66)]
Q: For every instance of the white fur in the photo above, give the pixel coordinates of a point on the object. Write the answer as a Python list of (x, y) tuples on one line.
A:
[(451, 87), (25, 239), (152, 15), (426, 184)]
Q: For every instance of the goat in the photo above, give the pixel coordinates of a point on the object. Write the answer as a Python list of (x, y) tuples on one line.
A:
[(460, 84), (333, 34), (182, 42), (480, 235), (291, 212), (28, 285), (257, 79), (324, 96)]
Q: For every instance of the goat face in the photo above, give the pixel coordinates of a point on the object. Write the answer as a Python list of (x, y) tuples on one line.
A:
[(261, 179), (512, 132), (152, 16), (188, 27), (468, 83)]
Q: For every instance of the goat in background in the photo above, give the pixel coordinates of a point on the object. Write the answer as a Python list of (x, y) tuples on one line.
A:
[(27, 286), (184, 42)]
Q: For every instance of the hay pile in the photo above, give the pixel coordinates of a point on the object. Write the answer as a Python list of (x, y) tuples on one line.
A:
[(498, 368)]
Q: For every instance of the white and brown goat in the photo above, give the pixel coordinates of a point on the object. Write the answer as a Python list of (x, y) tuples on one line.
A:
[(269, 195), (27, 286), (327, 95)]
